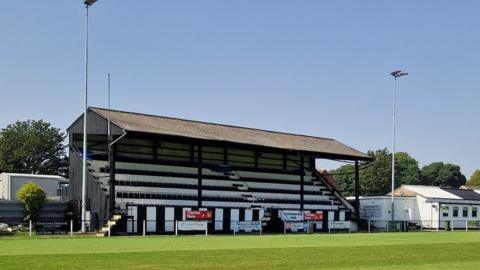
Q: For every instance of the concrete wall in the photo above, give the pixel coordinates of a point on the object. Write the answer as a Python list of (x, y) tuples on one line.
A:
[(425, 212), (379, 208)]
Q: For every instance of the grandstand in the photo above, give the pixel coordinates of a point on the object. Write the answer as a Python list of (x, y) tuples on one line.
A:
[(160, 167)]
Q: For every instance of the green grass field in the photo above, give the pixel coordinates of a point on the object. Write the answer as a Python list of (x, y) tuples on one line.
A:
[(428, 250)]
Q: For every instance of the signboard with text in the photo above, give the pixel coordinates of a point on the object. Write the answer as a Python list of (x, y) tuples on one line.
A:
[(296, 226), (313, 216), (191, 226), (49, 228), (198, 215), (247, 226), (339, 224)]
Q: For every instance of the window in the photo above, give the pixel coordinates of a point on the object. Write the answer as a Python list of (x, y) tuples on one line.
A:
[(465, 212), (445, 211), (455, 211), (474, 211)]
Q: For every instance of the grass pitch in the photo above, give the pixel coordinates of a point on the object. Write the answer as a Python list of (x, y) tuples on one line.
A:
[(429, 250)]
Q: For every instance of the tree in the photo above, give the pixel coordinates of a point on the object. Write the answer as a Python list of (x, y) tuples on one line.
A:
[(33, 197), (31, 147), (407, 171), (474, 179), (345, 177), (376, 177), (441, 174)]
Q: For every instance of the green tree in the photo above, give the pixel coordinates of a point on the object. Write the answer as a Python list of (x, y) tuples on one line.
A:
[(345, 177), (376, 177), (441, 174), (407, 171), (33, 197), (474, 179), (32, 147)]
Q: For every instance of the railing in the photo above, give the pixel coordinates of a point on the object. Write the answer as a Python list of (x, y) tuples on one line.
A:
[(130, 226), (421, 225)]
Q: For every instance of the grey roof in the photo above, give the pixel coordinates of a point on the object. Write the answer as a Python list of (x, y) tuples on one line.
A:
[(137, 122), (464, 194)]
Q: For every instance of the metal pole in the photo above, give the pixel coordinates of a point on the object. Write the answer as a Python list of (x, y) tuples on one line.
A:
[(144, 228), (71, 227), (84, 155), (393, 146), (108, 127), (357, 191), (30, 228)]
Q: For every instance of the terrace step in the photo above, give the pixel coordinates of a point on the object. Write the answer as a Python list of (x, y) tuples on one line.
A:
[(108, 227)]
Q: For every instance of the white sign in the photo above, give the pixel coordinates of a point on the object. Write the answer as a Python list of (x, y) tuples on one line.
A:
[(371, 211), (291, 215), (192, 225), (296, 226), (247, 226), (339, 224)]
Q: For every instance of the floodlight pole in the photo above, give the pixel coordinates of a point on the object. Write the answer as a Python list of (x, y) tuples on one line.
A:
[(396, 74), (87, 3)]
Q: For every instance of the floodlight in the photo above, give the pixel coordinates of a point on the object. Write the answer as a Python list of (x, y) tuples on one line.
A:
[(89, 2)]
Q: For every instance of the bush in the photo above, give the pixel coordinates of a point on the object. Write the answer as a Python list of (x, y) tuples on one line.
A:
[(32, 196)]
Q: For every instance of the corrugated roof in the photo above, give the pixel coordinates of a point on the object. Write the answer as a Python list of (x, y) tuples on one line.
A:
[(442, 192), (53, 177), (431, 192), (137, 122)]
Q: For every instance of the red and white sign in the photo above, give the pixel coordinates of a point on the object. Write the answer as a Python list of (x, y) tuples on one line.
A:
[(198, 214), (313, 216)]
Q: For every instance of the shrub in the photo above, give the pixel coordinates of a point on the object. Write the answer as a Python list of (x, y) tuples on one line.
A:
[(32, 196)]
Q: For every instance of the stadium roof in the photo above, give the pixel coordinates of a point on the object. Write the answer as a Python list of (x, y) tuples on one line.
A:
[(438, 192), (154, 124)]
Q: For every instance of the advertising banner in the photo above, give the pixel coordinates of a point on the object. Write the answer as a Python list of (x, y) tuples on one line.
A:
[(291, 215), (46, 228), (296, 226), (247, 226), (198, 214), (313, 216), (339, 224), (192, 225), (371, 211)]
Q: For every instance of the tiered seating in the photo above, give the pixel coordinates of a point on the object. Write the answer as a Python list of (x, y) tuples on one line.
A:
[(176, 183)]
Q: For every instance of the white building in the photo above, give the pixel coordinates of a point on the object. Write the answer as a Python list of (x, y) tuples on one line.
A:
[(425, 206), (10, 183)]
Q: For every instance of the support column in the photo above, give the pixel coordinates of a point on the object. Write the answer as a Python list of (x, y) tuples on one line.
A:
[(302, 183), (357, 191), (111, 170), (225, 156), (199, 184)]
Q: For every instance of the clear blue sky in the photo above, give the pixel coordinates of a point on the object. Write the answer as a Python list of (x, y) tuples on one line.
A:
[(310, 67)]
